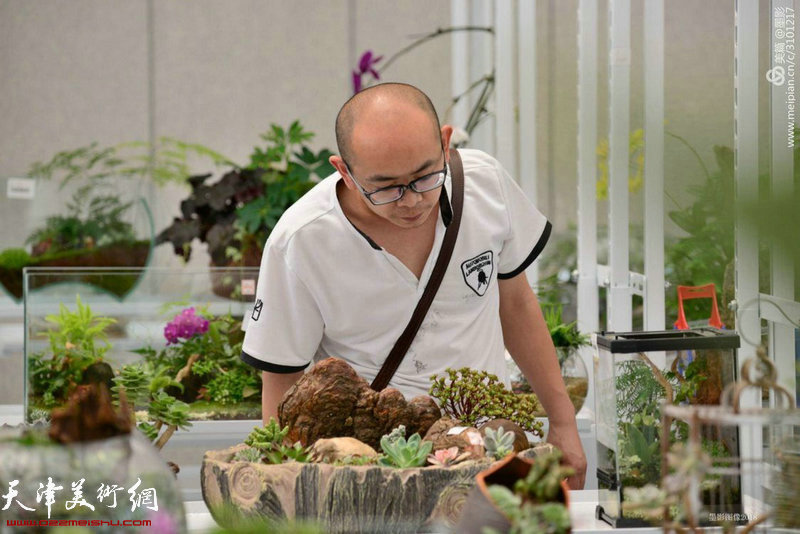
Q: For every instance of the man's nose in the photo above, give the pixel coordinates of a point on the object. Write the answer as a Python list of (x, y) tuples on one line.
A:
[(410, 198)]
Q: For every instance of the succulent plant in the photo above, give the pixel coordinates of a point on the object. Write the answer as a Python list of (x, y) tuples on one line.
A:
[(543, 482), (281, 453), (549, 518), (267, 437), (473, 397), (498, 443), (269, 442), (405, 453), (396, 433), (447, 457), (248, 455)]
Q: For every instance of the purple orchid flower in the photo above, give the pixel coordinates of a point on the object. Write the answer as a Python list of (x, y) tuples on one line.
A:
[(366, 65), (185, 325)]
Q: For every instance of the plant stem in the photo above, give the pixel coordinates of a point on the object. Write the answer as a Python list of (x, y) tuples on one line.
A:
[(696, 155), (163, 438), (469, 89), (428, 37), (480, 106)]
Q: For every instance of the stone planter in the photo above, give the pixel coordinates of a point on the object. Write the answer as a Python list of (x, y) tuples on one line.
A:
[(128, 462), (342, 498)]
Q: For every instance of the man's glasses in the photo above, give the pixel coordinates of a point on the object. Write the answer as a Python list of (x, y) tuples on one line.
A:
[(393, 193)]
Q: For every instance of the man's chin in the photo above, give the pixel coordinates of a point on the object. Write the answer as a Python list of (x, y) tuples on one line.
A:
[(412, 221)]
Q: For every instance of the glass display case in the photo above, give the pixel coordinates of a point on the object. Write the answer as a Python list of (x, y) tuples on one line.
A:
[(173, 344), (634, 373), (752, 481)]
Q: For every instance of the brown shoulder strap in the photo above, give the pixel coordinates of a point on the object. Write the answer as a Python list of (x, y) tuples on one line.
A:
[(404, 341)]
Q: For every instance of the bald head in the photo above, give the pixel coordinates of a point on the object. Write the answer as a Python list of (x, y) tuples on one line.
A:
[(375, 102)]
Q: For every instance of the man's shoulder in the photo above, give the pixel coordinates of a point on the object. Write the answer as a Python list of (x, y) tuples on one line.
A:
[(478, 161), (483, 174), (310, 211)]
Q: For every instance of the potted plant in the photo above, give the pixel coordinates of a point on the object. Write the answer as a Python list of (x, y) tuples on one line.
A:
[(567, 339), (234, 215), (517, 496), (358, 460), (77, 356), (203, 350), (102, 226), (88, 465)]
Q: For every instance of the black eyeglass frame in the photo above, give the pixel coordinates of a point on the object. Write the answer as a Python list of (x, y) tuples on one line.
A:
[(411, 185)]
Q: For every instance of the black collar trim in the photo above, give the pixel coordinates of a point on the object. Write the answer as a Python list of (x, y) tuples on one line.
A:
[(444, 206)]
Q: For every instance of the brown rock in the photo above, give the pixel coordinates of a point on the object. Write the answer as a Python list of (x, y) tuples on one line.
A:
[(330, 450), (332, 401), (520, 439), (439, 434)]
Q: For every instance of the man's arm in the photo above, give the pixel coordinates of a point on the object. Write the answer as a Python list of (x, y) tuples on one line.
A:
[(273, 388), (528, 341)]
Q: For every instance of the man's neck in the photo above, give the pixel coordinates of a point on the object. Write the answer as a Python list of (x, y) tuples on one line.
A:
[(410, 245)]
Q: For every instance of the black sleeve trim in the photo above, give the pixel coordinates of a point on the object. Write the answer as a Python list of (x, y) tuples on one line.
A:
[(532, 256), (261, 365)]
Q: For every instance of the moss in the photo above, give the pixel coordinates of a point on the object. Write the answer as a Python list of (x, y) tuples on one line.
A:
[(123, 254), (14, 258)]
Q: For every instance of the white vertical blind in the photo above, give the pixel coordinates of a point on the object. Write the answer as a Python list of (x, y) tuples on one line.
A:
[(459, 17), (746, 171), (505, 129), (619, 293), (654, 165), (781, 336), (526, 52), (481, 53)]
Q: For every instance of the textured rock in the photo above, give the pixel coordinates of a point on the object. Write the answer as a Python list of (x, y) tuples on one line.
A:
[(331, 400), (330, 450), (442, 436)]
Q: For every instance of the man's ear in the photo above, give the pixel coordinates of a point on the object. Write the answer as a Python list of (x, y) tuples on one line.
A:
[(447, 133), (341, 168)]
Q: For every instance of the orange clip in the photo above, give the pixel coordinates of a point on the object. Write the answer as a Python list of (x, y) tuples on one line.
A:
[(697, 292)]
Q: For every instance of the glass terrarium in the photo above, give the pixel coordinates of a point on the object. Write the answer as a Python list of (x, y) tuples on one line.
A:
[(634, 373), (180, 327), (755, 481), (173, 343)]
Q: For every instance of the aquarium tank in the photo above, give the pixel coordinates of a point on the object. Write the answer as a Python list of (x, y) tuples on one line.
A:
[(635, 372)]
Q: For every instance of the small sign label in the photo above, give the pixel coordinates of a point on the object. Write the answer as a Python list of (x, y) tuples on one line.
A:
[(24, 188), (248, 287)]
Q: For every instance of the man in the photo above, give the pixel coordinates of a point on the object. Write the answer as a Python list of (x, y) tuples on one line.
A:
[(345, 266)]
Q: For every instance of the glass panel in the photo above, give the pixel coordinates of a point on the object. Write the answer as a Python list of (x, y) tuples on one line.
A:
[(636, 373), (60, 345)]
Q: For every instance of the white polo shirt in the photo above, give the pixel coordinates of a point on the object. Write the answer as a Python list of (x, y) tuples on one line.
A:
[(326, 289)]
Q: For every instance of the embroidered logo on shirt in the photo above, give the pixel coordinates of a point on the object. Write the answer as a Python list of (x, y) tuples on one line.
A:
[(419, 366), (478, 272), (257, 310)]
